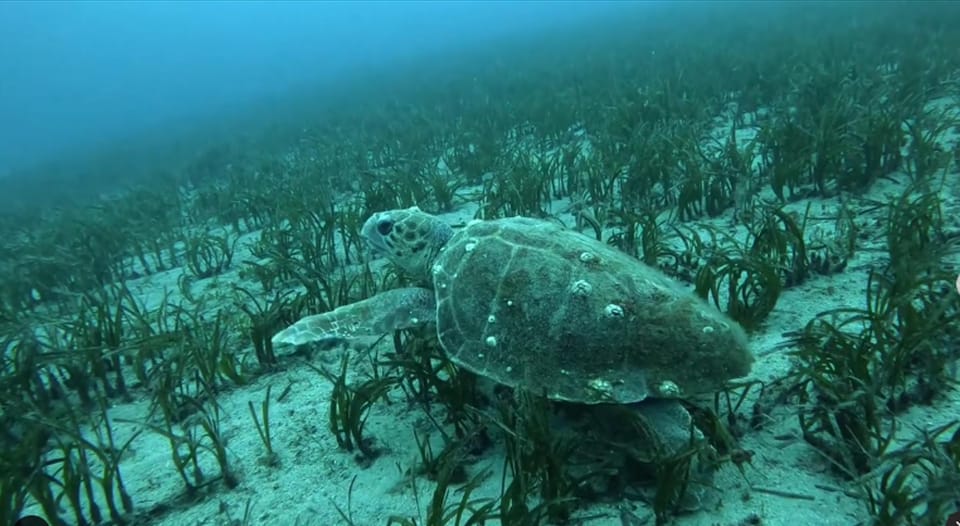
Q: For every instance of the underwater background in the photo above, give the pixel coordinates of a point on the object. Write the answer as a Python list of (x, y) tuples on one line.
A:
[(179, 182)]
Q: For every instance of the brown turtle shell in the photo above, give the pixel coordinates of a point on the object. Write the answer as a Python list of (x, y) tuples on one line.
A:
[(530, 304)]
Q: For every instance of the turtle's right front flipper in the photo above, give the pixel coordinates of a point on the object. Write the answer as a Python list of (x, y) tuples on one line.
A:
[(371, 318)]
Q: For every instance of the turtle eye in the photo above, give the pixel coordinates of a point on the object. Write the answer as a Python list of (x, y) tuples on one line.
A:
[(384, 227)]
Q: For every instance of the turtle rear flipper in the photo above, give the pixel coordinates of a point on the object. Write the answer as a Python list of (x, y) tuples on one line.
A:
[(373, 317), (669, 431)]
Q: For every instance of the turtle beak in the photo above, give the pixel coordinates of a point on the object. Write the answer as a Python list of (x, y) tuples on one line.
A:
[(375, 249), (373, 240)]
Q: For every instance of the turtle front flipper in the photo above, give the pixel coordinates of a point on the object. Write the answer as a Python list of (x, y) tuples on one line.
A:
[(373, 317)]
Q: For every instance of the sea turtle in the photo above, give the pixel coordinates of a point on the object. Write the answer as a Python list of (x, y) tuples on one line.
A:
[(530, 304)]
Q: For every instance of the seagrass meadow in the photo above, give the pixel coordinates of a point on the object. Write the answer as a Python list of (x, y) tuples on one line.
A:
[(795, 165)]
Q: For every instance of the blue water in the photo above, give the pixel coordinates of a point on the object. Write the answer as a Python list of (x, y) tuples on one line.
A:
[(82, 74)]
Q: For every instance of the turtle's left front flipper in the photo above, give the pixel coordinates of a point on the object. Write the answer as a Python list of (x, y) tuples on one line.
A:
[(373, 317)]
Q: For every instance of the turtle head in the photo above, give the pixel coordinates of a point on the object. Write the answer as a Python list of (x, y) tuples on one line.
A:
[(409, 237)]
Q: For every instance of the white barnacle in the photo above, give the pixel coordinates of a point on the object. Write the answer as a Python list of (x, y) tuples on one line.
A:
[(600, 385), (668, 389), (509, 303), (707, 329), (491, 318), (470, 246), (613, 311), (491, 341), (587, 257), (581, 287)]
